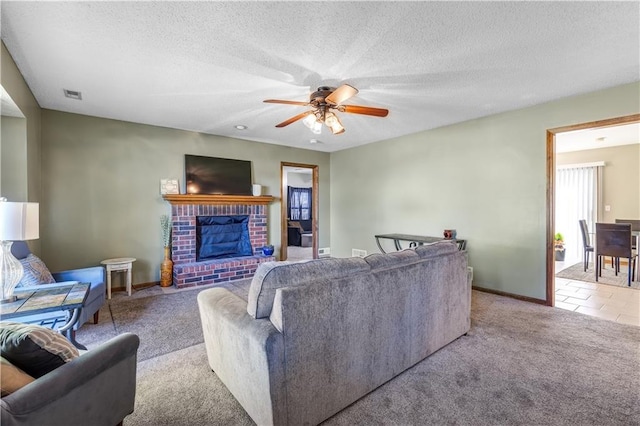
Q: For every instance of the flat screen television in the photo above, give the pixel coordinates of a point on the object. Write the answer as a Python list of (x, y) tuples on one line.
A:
[(221, 176)]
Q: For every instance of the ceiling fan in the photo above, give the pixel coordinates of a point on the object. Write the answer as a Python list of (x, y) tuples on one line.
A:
[(324, 102)]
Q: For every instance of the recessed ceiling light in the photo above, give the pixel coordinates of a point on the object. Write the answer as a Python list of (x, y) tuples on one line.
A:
[(73, 94), (240, 127)]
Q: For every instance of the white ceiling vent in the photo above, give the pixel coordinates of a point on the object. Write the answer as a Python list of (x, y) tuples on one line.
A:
[(73, 94)]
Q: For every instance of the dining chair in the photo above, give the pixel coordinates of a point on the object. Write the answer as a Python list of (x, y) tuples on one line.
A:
[(586, 243), (614, 239), (635, 229)]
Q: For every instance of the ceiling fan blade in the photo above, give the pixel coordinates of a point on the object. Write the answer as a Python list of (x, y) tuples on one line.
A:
[(279, 101), (357, 109), (341, 94), (294, 119)]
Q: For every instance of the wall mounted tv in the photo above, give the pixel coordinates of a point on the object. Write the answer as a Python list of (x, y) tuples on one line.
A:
[(221, 176)]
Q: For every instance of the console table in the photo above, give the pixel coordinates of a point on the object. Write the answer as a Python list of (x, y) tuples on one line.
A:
[(415, 240), (37, 302)]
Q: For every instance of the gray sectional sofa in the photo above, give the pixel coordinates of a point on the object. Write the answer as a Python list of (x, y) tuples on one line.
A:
[(313, 337)]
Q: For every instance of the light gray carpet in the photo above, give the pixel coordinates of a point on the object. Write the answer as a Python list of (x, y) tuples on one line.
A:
[(164, 322), (521, 364), (576, 272), (295, 253)]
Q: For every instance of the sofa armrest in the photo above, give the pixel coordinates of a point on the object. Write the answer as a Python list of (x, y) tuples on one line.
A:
[(93, 275), (247, 354), (96, 388)]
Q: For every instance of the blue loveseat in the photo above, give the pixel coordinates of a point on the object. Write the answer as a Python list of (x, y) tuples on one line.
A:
[(94, 275)]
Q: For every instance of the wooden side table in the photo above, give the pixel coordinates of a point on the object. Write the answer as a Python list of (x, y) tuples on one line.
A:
[(120, 264)]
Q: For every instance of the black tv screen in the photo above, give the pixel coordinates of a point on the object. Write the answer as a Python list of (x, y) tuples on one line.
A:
[(222, 176)]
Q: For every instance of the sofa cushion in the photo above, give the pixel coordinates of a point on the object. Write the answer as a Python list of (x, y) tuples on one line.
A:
[(34, 349), (271, 276), (436, 249), (393, 259), (35, 272), (20, 249), (12, 378)]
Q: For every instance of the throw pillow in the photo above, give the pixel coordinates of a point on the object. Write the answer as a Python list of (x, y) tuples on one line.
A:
[(12, 378), (35, 272), (34, 349)]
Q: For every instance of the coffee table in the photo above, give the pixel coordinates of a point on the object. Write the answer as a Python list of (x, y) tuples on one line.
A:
[(42, 302)]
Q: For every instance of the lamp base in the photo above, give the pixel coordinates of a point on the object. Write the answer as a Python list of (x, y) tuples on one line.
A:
[(10, 272)]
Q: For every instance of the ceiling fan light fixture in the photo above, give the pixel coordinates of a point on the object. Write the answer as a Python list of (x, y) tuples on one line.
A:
[(333, 122), (309, 120), (317, 127), (330, 119), (322, 102)]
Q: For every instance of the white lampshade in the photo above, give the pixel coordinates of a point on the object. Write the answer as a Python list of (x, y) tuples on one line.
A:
[(19, 221)]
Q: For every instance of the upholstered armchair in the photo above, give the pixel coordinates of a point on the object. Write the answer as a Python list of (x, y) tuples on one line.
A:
[(94, 275), (97, 388), (296, 230)]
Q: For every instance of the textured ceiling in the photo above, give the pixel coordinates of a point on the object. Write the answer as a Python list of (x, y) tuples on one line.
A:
[(207, 66)]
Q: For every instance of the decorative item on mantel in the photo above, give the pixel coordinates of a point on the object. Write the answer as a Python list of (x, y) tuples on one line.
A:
[(166, 268), (169, 186), (267, 250), (257, 190)]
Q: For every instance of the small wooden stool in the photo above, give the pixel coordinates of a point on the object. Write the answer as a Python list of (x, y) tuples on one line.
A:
[(117, 265)]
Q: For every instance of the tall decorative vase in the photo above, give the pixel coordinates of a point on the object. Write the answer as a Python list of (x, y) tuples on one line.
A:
[(166, 269)]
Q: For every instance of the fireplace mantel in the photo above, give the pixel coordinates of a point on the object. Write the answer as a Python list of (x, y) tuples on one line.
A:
[(181, 199)]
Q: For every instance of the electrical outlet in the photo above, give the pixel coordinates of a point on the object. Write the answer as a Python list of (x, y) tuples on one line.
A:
[(607, 208), (324, 252), (358, 253)]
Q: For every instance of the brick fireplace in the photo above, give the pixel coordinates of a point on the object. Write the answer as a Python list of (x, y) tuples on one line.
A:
[(187, 271)]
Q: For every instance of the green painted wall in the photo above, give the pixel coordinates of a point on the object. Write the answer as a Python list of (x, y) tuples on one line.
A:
[(101, 180), (21, 155), (485, 177), (13, 150), (24, 154)]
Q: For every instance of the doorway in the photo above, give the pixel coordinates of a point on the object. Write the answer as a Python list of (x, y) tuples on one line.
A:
[(552, 190), (299, 211)]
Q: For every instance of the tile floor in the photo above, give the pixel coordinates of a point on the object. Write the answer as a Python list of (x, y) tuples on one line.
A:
[(609, 302)]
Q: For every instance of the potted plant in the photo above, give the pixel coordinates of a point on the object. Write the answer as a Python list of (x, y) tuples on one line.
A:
[(558, 246), (166, 268)]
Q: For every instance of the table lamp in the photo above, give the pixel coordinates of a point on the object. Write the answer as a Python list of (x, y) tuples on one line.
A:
[(18, 222)]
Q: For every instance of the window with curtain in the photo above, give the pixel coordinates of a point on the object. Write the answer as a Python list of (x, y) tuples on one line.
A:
[(299, 200), (576, 198)]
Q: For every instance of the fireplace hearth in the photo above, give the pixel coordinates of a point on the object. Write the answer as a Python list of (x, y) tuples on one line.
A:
[(190, 268)]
